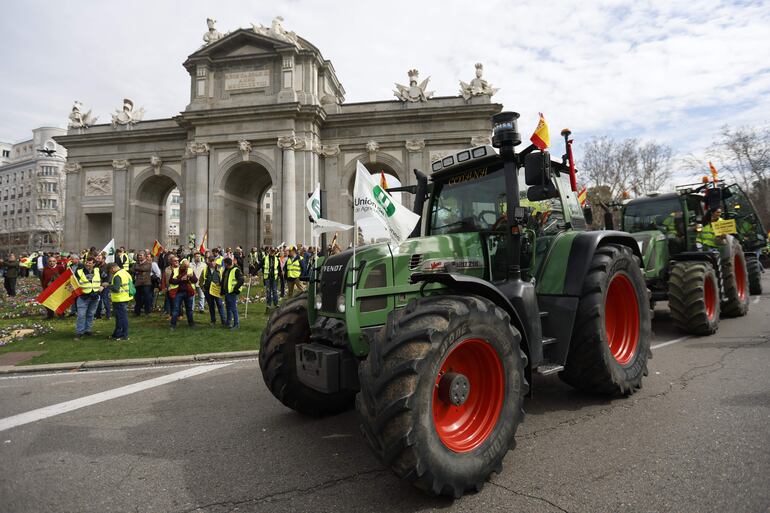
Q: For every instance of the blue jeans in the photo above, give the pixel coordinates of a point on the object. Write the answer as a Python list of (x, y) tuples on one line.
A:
[(143, 299), (104, 302), (213, 302), (271, 289), (231, 303), (181, 296), (121, 319), (86, 307)]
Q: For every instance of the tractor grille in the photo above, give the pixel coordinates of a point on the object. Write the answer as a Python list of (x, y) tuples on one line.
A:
[(415, 261), (332, 279)]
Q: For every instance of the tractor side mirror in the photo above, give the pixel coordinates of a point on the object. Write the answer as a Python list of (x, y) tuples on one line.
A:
[(537, 168), (609, 224), (588, 214)]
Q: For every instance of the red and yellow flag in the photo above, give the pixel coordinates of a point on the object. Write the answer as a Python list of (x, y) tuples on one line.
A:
[(714, 172), (156, 248), (60, 294), (583, 196), (540, 137), (202, 247), (383, 181)]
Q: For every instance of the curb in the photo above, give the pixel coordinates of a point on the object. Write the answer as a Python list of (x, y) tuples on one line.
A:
[(128, 362)]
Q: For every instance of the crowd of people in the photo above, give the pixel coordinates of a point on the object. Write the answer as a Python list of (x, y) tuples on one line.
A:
[(181, 279)]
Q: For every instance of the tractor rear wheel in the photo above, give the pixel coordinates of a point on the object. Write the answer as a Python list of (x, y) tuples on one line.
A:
[(693, 297), (441, 392), (755, 275), (287, 327), (735, 279), (611, 340)]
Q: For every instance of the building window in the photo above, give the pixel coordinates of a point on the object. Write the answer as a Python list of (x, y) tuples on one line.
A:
[(174, 212), (6, 153)]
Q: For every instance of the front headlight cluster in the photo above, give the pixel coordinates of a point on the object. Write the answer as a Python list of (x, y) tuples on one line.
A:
[(341, 303), (318, 302)]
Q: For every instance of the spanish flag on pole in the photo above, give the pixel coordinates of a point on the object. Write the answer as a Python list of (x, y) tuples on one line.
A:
[(202, 248), (383, 181), (714, 172), (156, 248), (583, 196), (540, 137), (60, 294)]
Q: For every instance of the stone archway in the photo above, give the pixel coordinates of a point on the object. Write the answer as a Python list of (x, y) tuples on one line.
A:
[(150, 217), (248, 202)]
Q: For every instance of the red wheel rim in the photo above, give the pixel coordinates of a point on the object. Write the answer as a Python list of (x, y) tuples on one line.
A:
[(621, 318), (465, 427), (740, 277), (710, 297)]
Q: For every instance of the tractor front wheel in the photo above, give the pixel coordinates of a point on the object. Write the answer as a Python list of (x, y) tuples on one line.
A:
[(693, 297), (735, 279), (287, 327), (441, 392), (755, 275), (611, 340)]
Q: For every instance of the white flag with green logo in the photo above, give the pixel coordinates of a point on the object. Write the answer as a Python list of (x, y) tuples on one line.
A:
[(110, 250), (371, 200), (320, 224)]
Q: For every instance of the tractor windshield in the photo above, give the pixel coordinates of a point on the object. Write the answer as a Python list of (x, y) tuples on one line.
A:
[(470, 202), (653, 214)]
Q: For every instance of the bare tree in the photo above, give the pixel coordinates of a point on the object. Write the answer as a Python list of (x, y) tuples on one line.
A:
[(654, 167)]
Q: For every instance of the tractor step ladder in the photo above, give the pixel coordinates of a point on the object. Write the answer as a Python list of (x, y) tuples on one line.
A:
[(547, 369)]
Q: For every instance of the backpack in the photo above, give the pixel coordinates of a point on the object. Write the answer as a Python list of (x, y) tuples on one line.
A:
[(131, 288)]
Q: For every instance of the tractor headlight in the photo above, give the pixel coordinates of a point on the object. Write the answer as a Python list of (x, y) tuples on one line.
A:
[(341, 304), (698, 227), (318, 302)]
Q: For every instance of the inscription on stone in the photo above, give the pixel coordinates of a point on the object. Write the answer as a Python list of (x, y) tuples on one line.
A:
[(247, 80)]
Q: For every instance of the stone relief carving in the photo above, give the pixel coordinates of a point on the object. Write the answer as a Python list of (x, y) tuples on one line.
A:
[(330, 150), (244, 147), (276, 31), (413, 92), (197, 148), (120, 164), (212, 34), (372, 147), (478, 86), (72, 167), (481, 140), (127, 116), (99, 184), (415, 144), (78, 119), (290, 142), (156, 163)]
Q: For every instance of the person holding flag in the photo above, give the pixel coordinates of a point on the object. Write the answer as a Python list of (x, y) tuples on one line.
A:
[(47, 277), (90, 287)]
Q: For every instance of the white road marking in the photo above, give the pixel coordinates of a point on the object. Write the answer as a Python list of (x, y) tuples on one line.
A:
[(75, 404), (670, 342)]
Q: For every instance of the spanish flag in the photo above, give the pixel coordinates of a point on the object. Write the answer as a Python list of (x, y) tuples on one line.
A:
[(583, 196), (383, 181), (202, 247), (540, 137), (156, 248), (714, 172), (28, 261), (60, 294)]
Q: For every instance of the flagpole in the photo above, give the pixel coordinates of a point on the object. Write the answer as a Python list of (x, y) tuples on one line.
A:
[(355, 240)]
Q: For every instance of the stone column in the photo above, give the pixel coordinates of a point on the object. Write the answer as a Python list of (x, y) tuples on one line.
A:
[(337, 197), (288, 190), (120, 218), (74, 228), (195, 187)]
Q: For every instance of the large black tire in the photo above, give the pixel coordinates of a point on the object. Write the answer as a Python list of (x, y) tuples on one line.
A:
[(617, 315), (693, 297), (401, 403), (755, 275), (286, 328), (735, 279)]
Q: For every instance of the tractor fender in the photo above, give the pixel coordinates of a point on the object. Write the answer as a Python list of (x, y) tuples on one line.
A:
[(524, 296), (582, 253)]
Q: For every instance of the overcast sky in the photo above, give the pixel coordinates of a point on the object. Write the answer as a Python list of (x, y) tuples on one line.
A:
[(665, 70)]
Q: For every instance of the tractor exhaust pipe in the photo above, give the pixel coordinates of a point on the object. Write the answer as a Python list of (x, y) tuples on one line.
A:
[(505, 137)]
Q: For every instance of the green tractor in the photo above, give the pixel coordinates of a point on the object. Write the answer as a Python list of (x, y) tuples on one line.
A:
[(435, 340), (699, 282)]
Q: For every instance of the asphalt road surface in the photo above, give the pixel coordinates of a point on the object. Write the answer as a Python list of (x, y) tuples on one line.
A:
[(211, 438)]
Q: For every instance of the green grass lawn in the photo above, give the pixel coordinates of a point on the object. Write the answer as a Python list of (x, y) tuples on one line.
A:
[(148, 336)]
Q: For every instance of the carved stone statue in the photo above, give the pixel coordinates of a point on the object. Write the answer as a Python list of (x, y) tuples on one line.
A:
[(478, 86), (372, 147), (213, 34), (413, 92), (98, 185), (156, 162), (79, 120), (127, 117), (197, 148), (244, 147), (276, 31)]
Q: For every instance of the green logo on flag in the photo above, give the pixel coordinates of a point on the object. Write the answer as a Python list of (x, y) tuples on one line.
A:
[(385, 202), (316, 206)]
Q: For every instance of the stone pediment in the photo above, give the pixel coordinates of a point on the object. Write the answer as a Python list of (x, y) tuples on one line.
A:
[(242, 42)]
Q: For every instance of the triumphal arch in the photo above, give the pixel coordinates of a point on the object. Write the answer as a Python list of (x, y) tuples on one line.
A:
[(266, 112)]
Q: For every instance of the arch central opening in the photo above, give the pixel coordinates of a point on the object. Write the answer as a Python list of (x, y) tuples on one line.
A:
[(248, 206), (159, 211)]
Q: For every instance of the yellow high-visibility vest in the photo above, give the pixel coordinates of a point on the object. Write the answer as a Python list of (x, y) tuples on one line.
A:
[(87, 286), (707, 237), (266, 267), (174, 274), (122, 296), (294, 267), (231, 281)]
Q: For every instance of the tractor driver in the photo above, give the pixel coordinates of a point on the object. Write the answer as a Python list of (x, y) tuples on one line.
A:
[(707, 237)]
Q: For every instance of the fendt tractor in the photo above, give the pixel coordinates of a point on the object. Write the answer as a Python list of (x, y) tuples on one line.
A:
[(699, 282), (435, 340)]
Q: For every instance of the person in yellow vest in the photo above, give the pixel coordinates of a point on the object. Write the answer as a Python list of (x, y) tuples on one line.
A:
[(706, 236), (211, 284), (120, 285), (182, 290), (232, 280), (271, 270), (294, 265), (90, 282)]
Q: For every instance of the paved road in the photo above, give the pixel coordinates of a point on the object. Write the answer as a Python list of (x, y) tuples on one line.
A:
[(695, 439)]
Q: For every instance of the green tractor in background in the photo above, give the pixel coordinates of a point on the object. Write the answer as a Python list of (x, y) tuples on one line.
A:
[(435, 340), (699, 282)]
